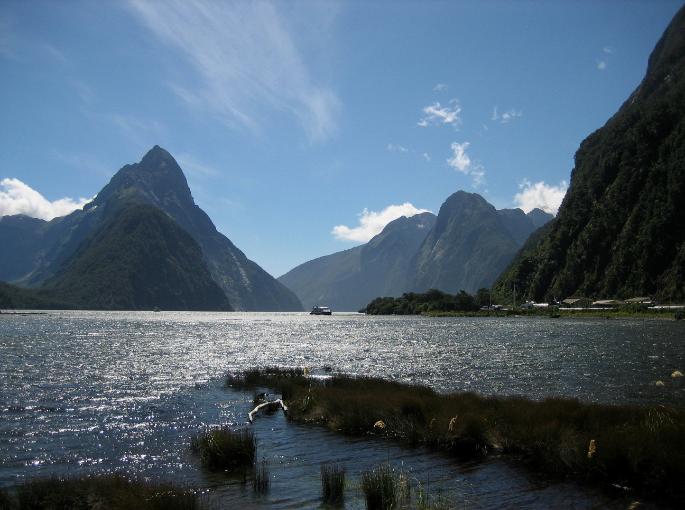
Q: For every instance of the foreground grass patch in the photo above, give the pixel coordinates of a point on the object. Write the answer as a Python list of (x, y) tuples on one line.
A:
[(638, 447), (111, 492), (224, 449), (332, 484), (385, 488)]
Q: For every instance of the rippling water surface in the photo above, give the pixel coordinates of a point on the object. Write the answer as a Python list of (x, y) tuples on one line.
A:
[(84, 392)]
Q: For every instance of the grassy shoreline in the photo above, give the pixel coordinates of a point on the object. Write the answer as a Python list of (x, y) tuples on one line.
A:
[(642, 448)]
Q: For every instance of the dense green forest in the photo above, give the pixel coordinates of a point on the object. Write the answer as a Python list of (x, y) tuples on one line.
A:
[(620, 231), (413, 303)]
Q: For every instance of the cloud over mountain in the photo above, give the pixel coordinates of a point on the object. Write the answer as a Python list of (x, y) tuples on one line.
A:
[(371, 223), (19, 198)]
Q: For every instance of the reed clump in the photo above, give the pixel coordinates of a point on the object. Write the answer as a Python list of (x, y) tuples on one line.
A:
[(260, 478), (113, 492), (225, 449), (642, 447), (332, 484), (385, 488)]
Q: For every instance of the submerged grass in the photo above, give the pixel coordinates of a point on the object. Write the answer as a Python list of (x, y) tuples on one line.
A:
[(385, 488), (112, 492), (332, 484), (224, 449), (638, 447), (260, 478)]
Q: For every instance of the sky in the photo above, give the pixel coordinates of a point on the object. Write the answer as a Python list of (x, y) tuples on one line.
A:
[(304, 127)]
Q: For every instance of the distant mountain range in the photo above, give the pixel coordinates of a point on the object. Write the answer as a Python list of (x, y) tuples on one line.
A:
[(348, 280), (620, 231), (141, 243), (465, 247)]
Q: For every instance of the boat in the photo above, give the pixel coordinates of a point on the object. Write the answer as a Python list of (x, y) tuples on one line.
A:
[(321, 310)]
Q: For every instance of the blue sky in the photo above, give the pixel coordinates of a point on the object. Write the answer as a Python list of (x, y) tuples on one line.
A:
[(303, 127)]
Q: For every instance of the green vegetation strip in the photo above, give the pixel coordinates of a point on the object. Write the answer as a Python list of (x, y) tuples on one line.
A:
[(638, 447), (112, 492)]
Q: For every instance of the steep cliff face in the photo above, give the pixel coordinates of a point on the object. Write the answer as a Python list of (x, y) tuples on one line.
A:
[(620, 231), (159, 180)]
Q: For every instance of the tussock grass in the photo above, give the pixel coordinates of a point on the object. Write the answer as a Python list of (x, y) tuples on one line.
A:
[(635, 446), (112, 492), (385, 488), (224, 449), (260, 478), (332, 484)]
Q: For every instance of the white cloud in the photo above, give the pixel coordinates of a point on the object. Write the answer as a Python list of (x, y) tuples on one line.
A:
[(541, 195), (505, 117), (19, 198), (461, 162), (440, 87), (608, 50), (246, 61), (426, 156), (436, 114), (601, 65), (393, 147), (372, 223)]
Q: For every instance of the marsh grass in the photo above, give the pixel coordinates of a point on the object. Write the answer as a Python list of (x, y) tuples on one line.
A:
[(260, 477), (113, 492), (332, 483), (638, 447), (385, 488), (224, 449)]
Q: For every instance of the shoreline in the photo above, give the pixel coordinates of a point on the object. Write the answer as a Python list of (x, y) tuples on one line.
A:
[(640, 448)]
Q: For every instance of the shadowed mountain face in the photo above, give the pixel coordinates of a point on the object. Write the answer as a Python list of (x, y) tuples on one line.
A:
[(157, 181), (138, 259), (470, 244), (620, 231), (349, 279)]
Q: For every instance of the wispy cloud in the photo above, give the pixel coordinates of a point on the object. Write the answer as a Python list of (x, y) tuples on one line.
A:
[(440, 87), (436, 114), (371, 223), (608, 50), (191, 165), (506, 117), (141, 131), (541, 195), (461, 162), (19, 198), (426, 156), (601, 65), (246, 61), (394, 147)]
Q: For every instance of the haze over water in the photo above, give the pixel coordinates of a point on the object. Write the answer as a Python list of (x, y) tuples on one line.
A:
[(84, 392)]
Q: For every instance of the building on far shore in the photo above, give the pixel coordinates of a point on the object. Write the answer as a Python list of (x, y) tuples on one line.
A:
[(607, 303), (576, 302), (642, 301)]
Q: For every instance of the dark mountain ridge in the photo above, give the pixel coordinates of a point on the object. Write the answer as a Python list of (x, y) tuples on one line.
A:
[(620, 231)]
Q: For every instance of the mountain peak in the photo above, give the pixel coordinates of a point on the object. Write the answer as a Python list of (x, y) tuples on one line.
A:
[(156, 178)]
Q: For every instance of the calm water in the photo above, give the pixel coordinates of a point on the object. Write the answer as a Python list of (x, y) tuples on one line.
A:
[(84, 392)]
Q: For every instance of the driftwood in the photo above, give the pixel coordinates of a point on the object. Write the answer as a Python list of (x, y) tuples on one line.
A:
[(251, 414)]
